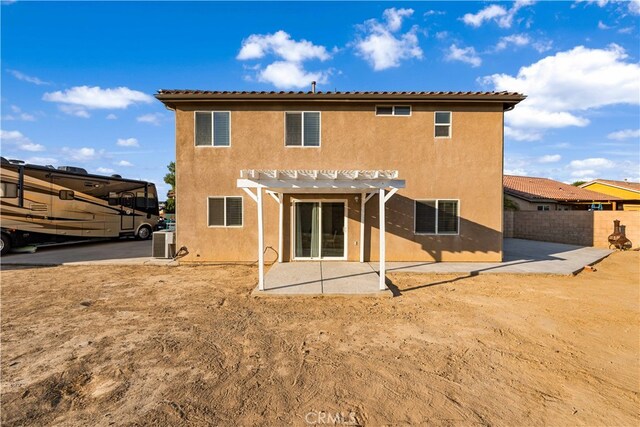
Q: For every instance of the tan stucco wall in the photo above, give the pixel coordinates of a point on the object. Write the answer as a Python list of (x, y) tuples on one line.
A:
[(467, 167)]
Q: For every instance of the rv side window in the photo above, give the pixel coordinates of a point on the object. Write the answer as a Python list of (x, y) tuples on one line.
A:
[(113, 199), (66, 195), (8, 190)]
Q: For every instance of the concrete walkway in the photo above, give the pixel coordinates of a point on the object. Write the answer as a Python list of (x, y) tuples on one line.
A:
[(520, 257), (331, 277)]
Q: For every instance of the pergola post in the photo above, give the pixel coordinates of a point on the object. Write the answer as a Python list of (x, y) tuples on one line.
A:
[(383, 284), (280, 231), (260, 241), (362, 218)]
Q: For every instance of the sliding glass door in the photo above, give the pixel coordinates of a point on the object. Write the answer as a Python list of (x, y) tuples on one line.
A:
[(319, 230)]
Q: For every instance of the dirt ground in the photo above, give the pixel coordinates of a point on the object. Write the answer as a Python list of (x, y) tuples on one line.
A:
[(190, 345)]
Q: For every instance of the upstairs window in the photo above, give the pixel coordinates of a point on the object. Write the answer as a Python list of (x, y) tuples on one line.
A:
[(436, 217), (213, 128), (393, 110), (302, 129), (443, 124), (224, 211)]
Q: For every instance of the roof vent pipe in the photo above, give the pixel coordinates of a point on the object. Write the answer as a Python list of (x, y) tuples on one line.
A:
[(313, 87)]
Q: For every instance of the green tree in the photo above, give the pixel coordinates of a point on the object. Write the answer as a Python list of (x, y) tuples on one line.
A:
[(578, 183), (170, 179)]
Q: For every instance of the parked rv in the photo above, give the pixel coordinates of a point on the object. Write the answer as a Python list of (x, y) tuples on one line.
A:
[(43, 204)]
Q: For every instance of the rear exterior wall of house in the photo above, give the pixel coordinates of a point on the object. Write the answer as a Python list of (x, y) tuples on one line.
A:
[(466, 167)]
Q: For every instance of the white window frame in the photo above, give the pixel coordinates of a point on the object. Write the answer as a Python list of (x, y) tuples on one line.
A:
[(292, 230), (442, 124), (543, 208), (393, 110), (225, 211), (195, 135), (436, 233), (302, 130)]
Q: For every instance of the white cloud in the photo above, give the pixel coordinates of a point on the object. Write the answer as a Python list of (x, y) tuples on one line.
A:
[(18, 141), (105, 170), (287, 71), (584, 174), (633, 6), (74, 110), (624, 134), (542, 45), (18, 114), (465, 54), (86, 97), (285, 75), (128, 142), (522, 135), (550, 158), (487, 14), (603, 26), (514, 40), (152, 118), (518, 171), (594, 162), (500, 15), (41, 160), (124, 163), (561, 86), (380, 45), (82, 154), (111, 117), (25, 78), (282, 45)]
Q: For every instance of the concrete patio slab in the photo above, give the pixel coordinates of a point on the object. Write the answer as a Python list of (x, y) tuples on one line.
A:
[(293, 278), (520, 257), (321, 278)]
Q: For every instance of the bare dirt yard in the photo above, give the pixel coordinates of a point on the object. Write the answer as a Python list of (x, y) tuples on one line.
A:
[(190, 345)]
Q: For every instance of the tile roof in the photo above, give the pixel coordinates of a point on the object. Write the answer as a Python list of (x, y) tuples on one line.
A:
[(320, 93), (632, 186), (171, 97), (531, 188)]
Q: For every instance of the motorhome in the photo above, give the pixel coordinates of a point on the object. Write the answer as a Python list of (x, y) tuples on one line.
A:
[(46, 204)]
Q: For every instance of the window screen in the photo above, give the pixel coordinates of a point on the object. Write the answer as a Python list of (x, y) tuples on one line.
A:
[(425, 216), (311, 129), (294, 129), (225, 212), (216, 211), (221, 129), (234, 211), (447, 216), (302, 129), (384, 110), (402, 110), (203, 128), (443, 124)]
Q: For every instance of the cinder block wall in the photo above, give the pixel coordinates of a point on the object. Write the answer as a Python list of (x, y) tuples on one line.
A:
[(507, 224), (582, 228)]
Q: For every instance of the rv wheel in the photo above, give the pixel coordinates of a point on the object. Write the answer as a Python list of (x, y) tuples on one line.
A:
[(144, 233), (5, 244)]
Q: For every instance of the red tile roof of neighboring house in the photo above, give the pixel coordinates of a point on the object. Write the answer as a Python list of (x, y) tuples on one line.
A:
[(632, 186), (171, 96), (531, 188)]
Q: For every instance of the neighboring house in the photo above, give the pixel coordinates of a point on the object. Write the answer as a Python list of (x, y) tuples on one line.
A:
[(543, 194), (318, 165), (628, 192)]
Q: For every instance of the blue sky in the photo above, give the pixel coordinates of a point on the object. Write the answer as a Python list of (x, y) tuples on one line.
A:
[(77, 78)]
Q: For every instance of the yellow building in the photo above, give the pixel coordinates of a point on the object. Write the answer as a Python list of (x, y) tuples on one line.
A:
[(629, 192)]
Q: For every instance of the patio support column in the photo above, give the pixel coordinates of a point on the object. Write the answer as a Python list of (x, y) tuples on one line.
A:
[(260, 241), (362, 217), (383, 284), (281, 215)]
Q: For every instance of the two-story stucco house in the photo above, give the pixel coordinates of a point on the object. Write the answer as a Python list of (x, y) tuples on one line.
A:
[(317, 176)]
